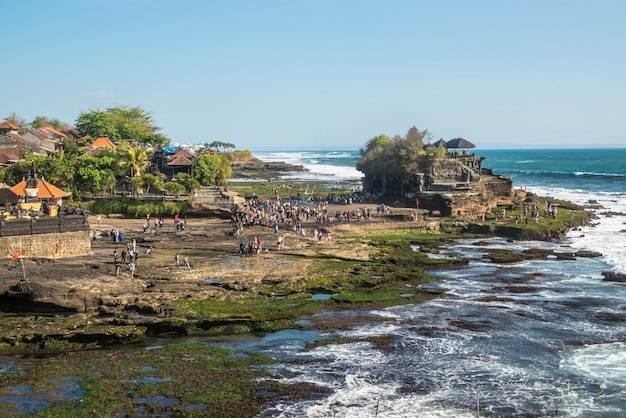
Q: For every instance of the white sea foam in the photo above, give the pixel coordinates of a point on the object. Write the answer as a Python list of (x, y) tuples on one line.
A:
[(605, 363), (316, 168)]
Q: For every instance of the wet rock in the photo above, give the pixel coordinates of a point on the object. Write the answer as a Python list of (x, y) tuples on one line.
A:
[(610, 276), (588, 254), (565, 256)]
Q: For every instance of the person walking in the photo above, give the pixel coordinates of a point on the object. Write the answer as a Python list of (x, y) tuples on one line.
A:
[(187, 265), (131, 269)]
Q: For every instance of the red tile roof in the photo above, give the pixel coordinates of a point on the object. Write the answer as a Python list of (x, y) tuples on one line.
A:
[(46, 190), (8, 125), (103, 142)]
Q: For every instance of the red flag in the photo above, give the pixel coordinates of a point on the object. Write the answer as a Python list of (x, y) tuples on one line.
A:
[(15, 255)]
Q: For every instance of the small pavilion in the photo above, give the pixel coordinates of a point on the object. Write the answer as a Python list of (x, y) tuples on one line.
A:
[(33, 192)]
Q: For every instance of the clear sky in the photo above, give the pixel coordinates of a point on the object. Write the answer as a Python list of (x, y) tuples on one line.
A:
[(326, 74)]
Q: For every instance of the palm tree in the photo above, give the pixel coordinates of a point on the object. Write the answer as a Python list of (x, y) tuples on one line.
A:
[(135, 159)]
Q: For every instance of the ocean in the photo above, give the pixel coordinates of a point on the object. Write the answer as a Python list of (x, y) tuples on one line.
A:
[(541, 338)]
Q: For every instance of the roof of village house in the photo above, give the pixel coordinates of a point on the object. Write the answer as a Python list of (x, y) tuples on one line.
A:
[(103, 142), (185, 153), (8, 125), (92, 153), (7, 195), (459, 143), (53, 132), (9, 155), (46, 190), (440, 143), (39, 134), (25, 142), (180, 160)]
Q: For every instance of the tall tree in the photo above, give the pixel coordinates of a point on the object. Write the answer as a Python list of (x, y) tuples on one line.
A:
[(130, 123), (97, 124), (59, 169), (212, 169), (134, 160), (224, 145)]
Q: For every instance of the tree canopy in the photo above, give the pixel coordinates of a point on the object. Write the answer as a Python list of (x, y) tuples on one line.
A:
[(388, 163), (224, 145), (212, 169), (129, 123)]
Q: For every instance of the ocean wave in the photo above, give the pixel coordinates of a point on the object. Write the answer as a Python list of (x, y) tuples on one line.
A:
[(563, 173)]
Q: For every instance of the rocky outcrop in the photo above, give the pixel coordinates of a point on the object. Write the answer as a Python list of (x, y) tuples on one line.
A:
[(27, 296), (610, 276), (255, 167)]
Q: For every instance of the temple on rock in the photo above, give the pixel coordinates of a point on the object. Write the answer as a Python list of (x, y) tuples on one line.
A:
[(445, 179)]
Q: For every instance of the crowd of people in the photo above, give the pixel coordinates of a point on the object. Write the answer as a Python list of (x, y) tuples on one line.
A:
[(289, 215)]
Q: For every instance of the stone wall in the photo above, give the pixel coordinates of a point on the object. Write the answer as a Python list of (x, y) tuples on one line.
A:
[(53, 245)]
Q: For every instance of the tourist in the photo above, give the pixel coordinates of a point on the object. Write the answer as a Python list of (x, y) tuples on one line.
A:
[(280, 242), (177, 259), (187, 265), (118, 265), (131, 268)]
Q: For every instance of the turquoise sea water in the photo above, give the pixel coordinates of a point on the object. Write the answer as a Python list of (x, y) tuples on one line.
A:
[(597, 170)]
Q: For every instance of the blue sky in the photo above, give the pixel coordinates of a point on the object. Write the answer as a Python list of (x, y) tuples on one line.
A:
[(326, 74)]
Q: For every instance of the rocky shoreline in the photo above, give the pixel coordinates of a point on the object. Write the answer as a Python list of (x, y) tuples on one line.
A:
[(81, 299)]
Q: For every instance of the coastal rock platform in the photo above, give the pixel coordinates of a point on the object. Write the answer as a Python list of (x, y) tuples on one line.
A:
[(89, 284)]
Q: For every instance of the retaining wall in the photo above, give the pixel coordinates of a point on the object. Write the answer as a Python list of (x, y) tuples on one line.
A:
[(53, 237)]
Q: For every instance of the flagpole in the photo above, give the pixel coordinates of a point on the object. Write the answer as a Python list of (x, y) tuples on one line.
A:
[(22, 261), (23, 270)]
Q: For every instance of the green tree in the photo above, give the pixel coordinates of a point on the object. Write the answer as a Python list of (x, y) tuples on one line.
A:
[(134, 160), (19, 171), (43, 122), (130, 123), (59, 169), (226, 170), (97, 123), (91, 177), (147, 180), (108, 180), (75, 147), (208, 169), (388, 164), (174, 188), (224, 145)]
